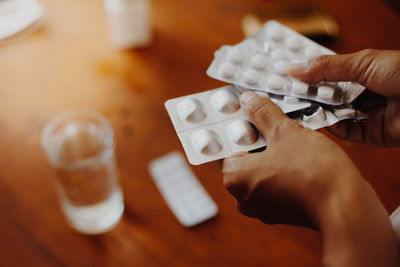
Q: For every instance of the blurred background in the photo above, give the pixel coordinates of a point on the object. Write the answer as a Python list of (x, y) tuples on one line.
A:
[(67, 61)]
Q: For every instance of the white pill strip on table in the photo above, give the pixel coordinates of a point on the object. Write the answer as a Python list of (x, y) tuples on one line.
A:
[(185, 196)]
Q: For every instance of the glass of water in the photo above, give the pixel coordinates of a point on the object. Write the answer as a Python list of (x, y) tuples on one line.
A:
[(80, 146)]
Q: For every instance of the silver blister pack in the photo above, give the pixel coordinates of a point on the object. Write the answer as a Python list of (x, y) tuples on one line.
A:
[(318, 116), (212, 125), (260, 63)]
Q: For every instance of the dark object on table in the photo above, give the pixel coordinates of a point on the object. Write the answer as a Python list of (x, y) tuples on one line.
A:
[(310, 20)]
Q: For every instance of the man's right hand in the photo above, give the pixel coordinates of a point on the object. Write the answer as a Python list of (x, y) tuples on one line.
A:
[(379, 71)]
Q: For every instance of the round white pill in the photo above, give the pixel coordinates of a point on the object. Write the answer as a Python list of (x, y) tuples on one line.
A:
[(281, 67), (275, 33), (291, 100), (191, 110), (312, 52), (266, 47), (294, 43), (242, 133), (251, 76), (206, 142), (325, 92), (278, 54), (227, 70), (318, 116), (225, 102), (275, 82), (299, 88), (259, 61), (235, 55)]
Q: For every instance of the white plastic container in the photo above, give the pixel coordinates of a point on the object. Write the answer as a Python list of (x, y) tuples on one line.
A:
[(128, 22)]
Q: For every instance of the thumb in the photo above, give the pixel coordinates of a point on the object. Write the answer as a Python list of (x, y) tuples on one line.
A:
[(263, 113), (347, 67)]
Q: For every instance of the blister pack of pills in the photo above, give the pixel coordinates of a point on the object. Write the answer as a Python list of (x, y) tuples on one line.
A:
[(212, 125), (318, 116), (260, 63), (182, 191)]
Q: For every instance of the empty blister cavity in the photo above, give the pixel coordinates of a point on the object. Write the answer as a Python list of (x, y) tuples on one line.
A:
[(294, 43), (275, 82), (299, 88), (317, 117), (259, 61), (227, 69), (242, 133), (281, 67), (251, 76), (326, 92), (343, 113), (235, 55), (225, 102), (191, 110), (206, 142)]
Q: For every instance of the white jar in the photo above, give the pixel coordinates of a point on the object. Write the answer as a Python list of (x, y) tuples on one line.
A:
[(128, 22)]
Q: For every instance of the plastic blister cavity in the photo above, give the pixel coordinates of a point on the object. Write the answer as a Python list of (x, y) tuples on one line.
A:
[(317, 117), (206, 142), (191, 110), (225, 101), (260, 63), (242, 133)]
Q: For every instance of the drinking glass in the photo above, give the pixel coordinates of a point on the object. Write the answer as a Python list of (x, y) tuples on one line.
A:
[(80, 146)]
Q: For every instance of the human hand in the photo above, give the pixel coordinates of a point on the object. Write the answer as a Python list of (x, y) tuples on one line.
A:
[(305, 179), (379, 71), (292, 180)]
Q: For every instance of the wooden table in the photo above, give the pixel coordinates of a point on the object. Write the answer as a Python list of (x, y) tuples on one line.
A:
[(69, 64)]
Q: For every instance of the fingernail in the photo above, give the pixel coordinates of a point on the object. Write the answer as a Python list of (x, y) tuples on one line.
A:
[(298, 67), (246, 97)]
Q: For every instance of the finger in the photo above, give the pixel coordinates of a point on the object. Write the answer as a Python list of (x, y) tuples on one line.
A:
[(263, 113), (347, 67), (239, 154), (235, 171), (240, 173)]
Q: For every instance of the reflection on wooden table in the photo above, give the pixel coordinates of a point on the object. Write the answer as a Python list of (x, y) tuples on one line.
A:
[(69, 64)]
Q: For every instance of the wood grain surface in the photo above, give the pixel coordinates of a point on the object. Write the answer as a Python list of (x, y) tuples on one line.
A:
[(69, 64)]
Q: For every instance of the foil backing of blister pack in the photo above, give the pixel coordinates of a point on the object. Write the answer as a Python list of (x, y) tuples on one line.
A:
[(212, 125), (260, 63), (321, 116)]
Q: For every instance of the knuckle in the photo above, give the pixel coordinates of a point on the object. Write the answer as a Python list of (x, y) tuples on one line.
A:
[(319, 66), (323, 60), (363, 66), (230, 174), (230, 165), (256, 108), (284, 127), (367, 52)]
